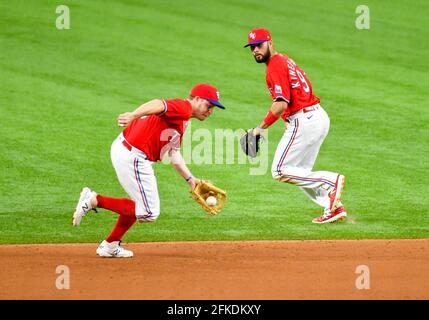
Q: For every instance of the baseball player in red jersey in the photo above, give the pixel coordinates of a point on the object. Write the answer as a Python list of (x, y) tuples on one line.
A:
[(154, 129), (307, 127)]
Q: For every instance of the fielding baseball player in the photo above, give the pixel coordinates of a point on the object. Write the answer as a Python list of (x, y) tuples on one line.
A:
[(152, 130), (307, 127)]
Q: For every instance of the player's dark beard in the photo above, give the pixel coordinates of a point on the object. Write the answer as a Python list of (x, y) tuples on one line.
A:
[(265, 57)]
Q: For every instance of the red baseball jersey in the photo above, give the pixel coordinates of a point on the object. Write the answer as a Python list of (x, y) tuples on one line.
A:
[(286, 81), (156, 134)]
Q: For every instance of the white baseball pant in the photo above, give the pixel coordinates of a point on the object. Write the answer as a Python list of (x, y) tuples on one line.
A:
[(297, 151), (136, 175)]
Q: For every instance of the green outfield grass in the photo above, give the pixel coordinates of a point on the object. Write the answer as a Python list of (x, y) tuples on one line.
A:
[(60, 93)]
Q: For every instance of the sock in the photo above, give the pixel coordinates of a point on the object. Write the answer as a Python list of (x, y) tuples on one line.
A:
[(123, 206), (123, 224)]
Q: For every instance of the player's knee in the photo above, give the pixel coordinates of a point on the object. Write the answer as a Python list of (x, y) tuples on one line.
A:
[(150, 215), (281, 175), (146, 219), (276, 174)]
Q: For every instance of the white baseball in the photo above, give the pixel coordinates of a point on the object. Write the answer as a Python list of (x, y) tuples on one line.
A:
[(211, 201)]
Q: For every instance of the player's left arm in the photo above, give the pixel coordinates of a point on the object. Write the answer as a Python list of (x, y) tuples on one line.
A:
[(180, 166), (276, 110)]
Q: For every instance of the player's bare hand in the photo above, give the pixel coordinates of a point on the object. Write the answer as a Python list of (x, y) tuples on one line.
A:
[(193, 182), (125, 119)]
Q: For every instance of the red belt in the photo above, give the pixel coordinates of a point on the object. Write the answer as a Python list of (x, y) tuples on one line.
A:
[(127, 145), (130, 147), (308, 109)]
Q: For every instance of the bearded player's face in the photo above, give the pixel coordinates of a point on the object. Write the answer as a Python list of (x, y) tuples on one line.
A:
[(261, 52)]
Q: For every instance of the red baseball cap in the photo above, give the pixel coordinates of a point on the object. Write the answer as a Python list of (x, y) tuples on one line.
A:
[(208, 92), (257, 36)]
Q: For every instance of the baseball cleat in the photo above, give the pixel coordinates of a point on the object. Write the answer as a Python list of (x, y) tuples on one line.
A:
[(113, 250), (338, 215), (83, 206), (335, 194)]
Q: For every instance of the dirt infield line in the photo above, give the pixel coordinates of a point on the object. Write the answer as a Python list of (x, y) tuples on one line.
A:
[(345, 269)]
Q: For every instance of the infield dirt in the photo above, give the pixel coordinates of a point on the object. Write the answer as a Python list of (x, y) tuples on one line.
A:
[(398, 269)]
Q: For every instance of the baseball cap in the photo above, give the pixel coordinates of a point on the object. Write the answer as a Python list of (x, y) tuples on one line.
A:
[(257, 36), (208, 92)]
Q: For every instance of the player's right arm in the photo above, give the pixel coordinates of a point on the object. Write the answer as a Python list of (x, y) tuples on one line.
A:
[(278, 84), (275, 111), (152, 107)]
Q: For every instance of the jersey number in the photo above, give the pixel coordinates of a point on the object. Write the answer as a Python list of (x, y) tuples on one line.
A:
[(303, 81)]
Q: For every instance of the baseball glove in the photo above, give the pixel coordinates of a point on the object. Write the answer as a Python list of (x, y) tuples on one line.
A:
[(205, 189), (250, 143)]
